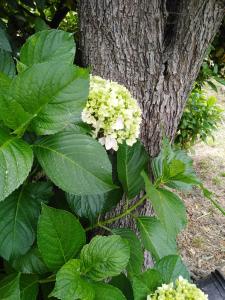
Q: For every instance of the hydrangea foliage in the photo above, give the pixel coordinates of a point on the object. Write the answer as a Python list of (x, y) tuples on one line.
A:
[(182, 290), (112, 112)]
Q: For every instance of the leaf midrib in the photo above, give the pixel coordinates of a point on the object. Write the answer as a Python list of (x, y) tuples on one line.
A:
[(35, 114), (10, 283), (58, 238), (164, 210), (146, 232), (6, 143), (72, 161), (28, 286), (16, 213)]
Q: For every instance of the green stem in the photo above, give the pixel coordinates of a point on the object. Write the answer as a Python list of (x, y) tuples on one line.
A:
[(49, 279), (104, 227), (208, 195), (216, 204), (122, 215)]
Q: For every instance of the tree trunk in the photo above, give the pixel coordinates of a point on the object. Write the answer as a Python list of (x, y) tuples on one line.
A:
[(153, 47)]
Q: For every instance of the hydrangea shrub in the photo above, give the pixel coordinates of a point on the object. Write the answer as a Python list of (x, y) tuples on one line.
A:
[(57, 182)]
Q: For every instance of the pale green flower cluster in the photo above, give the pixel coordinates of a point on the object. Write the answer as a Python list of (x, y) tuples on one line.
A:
[(183, 290), (112, 112)]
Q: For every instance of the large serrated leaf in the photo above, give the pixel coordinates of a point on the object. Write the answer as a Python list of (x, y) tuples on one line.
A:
[(136, 253), (106, 291), (76, 163), (155, 237), (16, 159), (30, 263), (123, 284), (146, 283), (60, 236), (48, 45), (70, 285), (130, 162), (18, 219), (174, 168), (7, 65), (171, 267), (168, 207), (47, 97), (87, 206), (90, 206), (104, 256), (10, 287)]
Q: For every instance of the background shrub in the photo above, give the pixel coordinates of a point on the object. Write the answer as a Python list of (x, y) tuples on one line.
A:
[(201, 117)]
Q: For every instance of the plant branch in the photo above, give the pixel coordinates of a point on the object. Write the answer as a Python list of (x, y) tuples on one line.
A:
[(49, 279), (215, 203), (122, 215), (60, 14)]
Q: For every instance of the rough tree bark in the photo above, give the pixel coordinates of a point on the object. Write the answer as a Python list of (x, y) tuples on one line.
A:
[(155, 48)]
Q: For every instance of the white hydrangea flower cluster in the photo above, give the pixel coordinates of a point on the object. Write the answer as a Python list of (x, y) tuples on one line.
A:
[(183, 290), (112, 112)]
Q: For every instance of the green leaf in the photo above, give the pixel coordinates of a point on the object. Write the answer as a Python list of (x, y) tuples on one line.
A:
[(136, 253), (8, 106), (47, 97), (18, 219), (130, 162), (81, 128), (29, 287), (212, 85), (4, 42), (40, 25), (60, 236), (220, 80), (7, 65), (155, 237), (5, 82), (20, 67), (171, 267), (30, 263), (76, 163), (10, 287), (123, 284), (105, 291), (70, 284), (168, 207), (104, 256), (146, 283), (16, 159), (41, 190), (48, 45), (211, 101), (174, 168), (90, 206)]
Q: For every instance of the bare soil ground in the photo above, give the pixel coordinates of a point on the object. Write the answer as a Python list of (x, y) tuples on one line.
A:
[(202, 243)]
